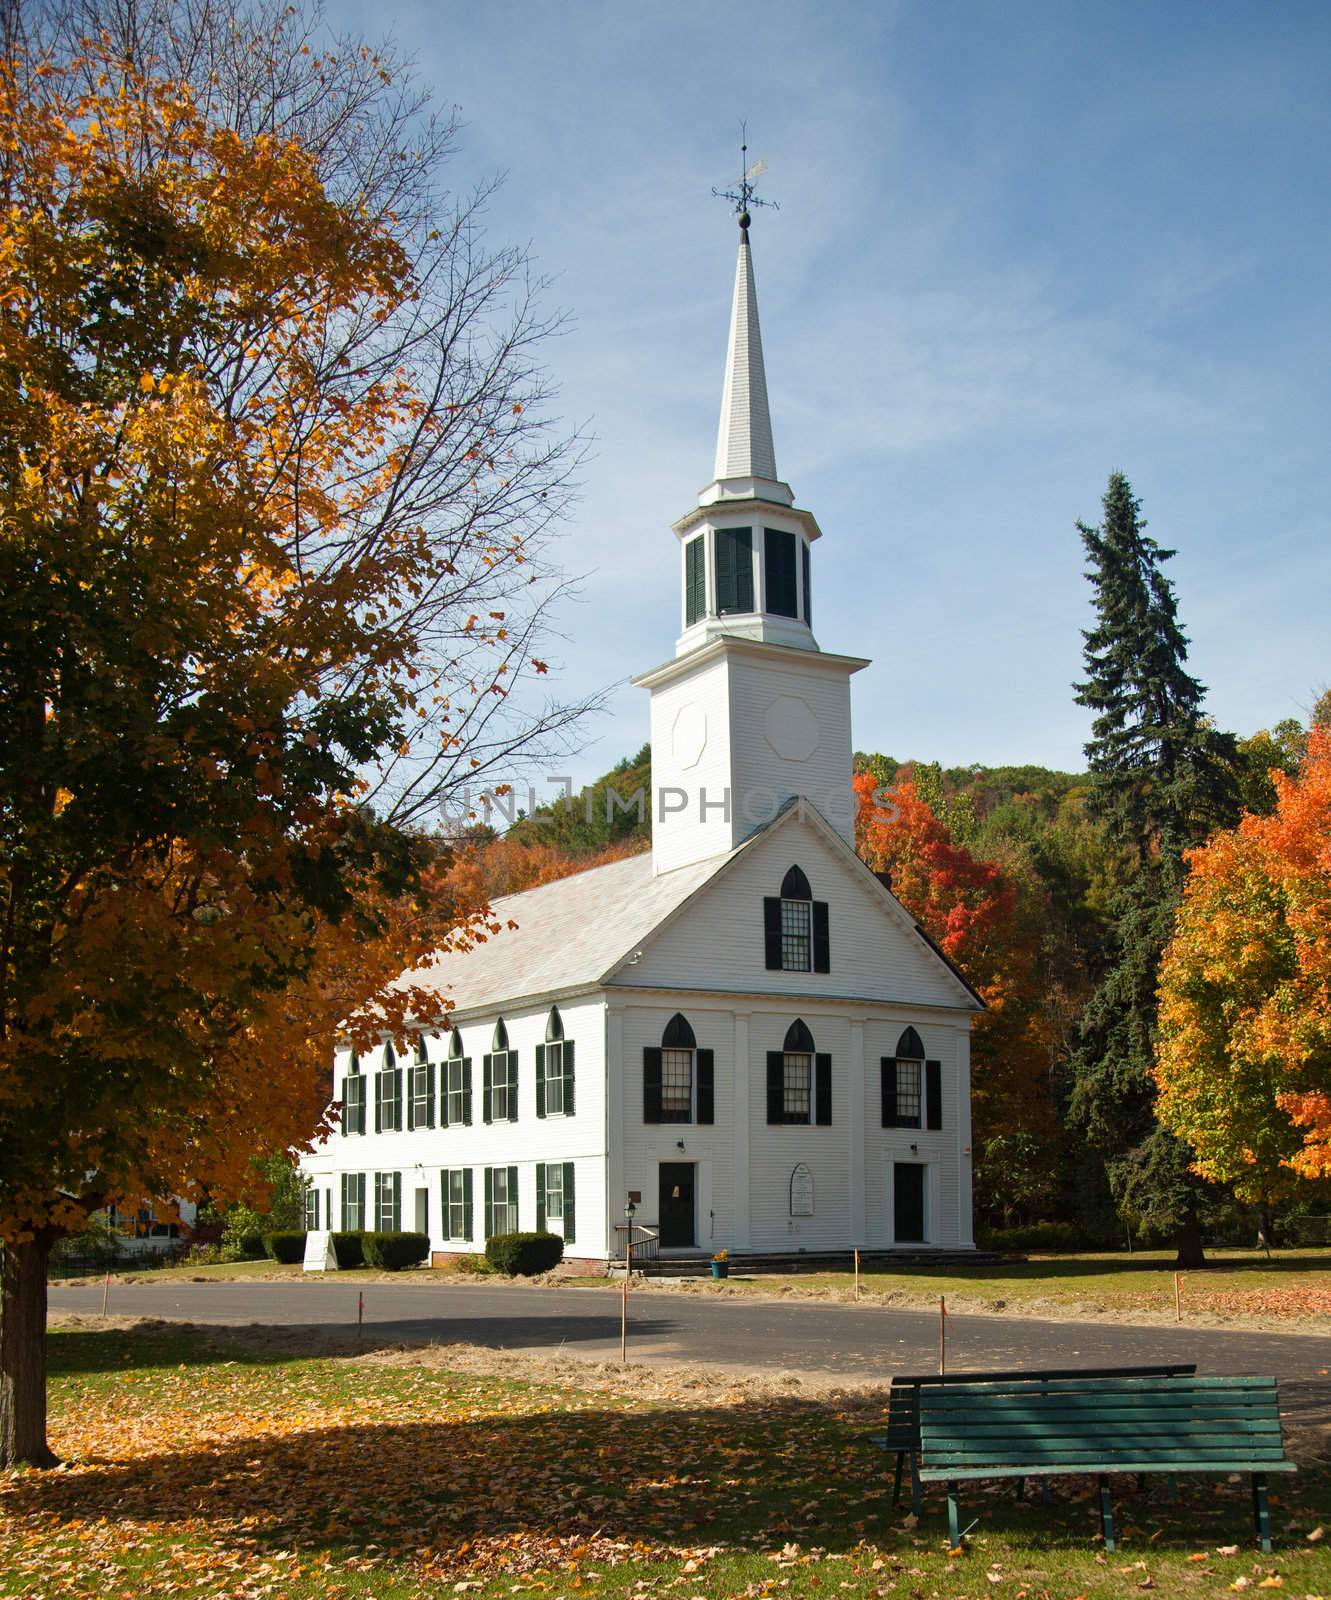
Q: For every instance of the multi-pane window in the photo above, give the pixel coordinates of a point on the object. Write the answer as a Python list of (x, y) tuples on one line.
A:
[(459, 1090), (554, 1191), (676, 1085), (388, 1094), (353, 1100), (554, 1079), (353, 1201), (909, 1093), (504, 1086), (503, 1200), (420, 1090), (388, 1202), (457, 1203), (797, 1087), (311, 1209), (796, 935)]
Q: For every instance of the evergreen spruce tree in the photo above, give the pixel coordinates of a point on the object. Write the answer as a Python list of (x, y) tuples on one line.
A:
[(1162, 778)]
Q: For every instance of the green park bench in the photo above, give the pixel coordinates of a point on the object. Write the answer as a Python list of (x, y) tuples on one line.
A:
[(1094, 1424), (903, 1406)]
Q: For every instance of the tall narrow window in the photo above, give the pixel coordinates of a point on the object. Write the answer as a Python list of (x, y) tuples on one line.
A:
[(501, 1200), (796, 928), (311, 1209), (554, 1070), (779, 572), (500, 1088), (353, 1098), (678, 1079), (799, 1080), (734, 570), (459, 1083), (695, 581), (911, 1086), (388, 1202), (353, 1202), (420, 1092), (456, 1208), (388, 1094)]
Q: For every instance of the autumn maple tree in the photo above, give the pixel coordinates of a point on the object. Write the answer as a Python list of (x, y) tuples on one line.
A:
[(274, 486), (970, 908), (1244, 1063)]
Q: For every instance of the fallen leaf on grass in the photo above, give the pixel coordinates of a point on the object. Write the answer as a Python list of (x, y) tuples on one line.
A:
[(1227, 1550), (1316, 1535)]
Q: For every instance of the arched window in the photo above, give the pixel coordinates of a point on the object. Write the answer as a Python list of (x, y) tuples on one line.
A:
[(678, 1034), (795, 886), (353, 1098), (912, 1086), (910, 1046), (799, 1080), (455, 1099), (499, 1096), (554, 1070), (388, 1093), (678, 1079), (420, 1087), (795, 928)]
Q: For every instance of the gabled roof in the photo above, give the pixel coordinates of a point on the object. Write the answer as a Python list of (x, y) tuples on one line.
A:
[(569, 935), (578, 933)]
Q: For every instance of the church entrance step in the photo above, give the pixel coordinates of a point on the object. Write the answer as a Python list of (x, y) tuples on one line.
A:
[(751, 1263)]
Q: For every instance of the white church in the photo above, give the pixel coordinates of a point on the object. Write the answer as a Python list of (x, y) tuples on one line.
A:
[(740, 1041)]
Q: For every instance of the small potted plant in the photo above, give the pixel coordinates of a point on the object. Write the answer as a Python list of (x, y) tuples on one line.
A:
[(721, 1264)]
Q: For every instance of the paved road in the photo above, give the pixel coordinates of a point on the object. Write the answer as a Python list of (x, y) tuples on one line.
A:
[(799, 1336)]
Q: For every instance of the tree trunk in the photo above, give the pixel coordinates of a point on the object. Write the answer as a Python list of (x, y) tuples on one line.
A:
[(1266, 1227), (23, 1354), (1188, 1242)]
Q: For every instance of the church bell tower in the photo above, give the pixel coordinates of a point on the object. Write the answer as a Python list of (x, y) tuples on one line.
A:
[(750, 713)]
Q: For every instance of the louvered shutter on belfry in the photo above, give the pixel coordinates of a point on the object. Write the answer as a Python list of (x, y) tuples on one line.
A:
[(772, 932), (540, 1085), (568, 1203), (822, 1102), (933, 1094), (487, 1090), (706, 1060), (540, 1197), (651, 1084), (822, 944), (568, 1077), (889, 1070), (776, 1087)]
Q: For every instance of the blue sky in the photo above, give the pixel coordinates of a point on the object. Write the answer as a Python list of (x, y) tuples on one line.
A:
[(1019, 246)]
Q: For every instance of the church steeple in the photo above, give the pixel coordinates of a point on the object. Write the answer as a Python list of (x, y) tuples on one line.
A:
[(750, 713), (744, 446)]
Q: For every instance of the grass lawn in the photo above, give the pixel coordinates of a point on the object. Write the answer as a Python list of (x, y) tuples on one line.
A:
[(228, 1472), (1294, 1283)]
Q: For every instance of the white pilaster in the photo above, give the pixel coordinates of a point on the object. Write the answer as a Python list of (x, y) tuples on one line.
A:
[(856, 1132), (741, 1112), (965, 1155), (616, 1190)]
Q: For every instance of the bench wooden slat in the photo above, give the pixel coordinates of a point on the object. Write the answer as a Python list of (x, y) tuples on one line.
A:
[(1044, 1470)]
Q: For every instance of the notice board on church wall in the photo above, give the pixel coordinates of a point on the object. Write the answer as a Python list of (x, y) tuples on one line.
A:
[(801, 1191)]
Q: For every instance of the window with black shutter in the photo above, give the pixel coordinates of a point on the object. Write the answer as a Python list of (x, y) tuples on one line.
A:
[(734, 570), (779, 572), (554, 1070), (455, 1096), (903, 1084), (799, 1081), (672, 1088), (695, 581), (388, 1094), (353, 1098), (420, 1089), (796, 933)]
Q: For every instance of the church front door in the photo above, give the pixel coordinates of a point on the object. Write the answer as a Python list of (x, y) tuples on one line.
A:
[(676, 1206)]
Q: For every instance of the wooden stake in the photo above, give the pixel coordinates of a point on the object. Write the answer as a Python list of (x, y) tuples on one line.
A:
[(942, 1336), (1178, 1298), (360, 1313), (857, 1274), (106, 1290)]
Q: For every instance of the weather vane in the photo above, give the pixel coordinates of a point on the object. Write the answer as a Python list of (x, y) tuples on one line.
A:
[(745, 196)]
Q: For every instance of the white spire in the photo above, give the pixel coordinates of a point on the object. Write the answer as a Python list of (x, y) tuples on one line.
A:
[(744, 439)]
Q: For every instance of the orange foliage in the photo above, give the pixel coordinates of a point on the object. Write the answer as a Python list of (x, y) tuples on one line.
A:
[(972, 910)]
